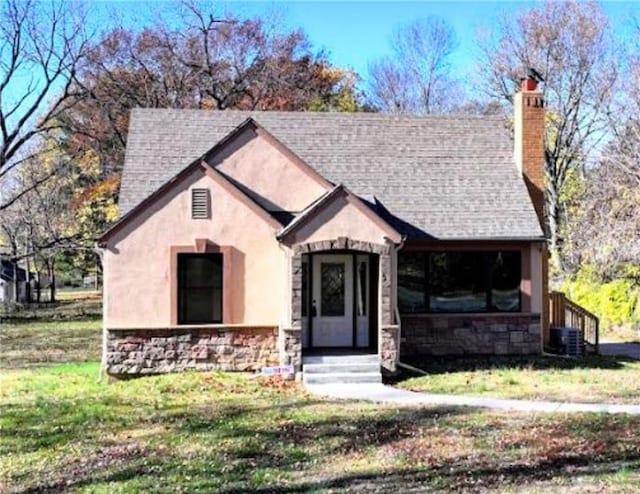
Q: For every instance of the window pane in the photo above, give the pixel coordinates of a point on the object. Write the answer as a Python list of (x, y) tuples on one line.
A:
[(457, 282), (202, 305), (332, 288), (199, 288), (201, 271), (411, 282), (505, 275)]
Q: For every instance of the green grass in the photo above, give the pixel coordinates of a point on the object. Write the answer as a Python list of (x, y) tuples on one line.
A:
[(588, 380), (70, 308), (37, 342), (63, 431), (60, 429)]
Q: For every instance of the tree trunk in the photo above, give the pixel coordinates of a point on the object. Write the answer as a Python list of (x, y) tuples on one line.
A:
[(16, 283), (554, 219), (38, 286), (27, 281), (52, 277)]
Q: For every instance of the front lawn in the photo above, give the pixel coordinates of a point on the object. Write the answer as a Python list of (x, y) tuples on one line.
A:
[(41, 342), (588, 380), (62, 431)]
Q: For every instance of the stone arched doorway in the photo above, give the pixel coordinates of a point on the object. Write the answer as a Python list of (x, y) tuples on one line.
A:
[(300, 333)]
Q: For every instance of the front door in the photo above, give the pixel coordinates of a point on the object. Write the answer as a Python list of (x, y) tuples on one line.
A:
[(332, 301)]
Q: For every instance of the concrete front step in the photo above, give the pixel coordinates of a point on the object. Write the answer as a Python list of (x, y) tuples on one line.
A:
[(346, 367), (341, 369), (341, 359), (342, 378)]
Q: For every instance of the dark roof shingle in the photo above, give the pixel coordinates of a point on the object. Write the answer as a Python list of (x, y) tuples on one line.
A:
[(444, 177)]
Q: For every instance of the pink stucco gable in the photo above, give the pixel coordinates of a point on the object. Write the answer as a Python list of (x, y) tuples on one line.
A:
[(269, 173), (137, 257)]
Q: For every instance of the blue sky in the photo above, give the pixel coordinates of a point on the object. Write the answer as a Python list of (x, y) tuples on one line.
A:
[(354, 33)]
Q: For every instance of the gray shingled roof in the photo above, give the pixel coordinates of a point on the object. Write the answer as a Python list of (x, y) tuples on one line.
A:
[(446, 177)]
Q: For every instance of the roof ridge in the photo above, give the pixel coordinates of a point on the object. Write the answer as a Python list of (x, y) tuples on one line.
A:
[(322, 114)]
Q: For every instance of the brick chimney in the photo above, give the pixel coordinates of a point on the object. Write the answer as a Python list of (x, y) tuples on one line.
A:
[(529, 139)]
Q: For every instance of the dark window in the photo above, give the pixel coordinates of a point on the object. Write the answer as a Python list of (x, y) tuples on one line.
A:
[(459, 281), (505, 281), (412, 282), (199, 288), (332, 289)]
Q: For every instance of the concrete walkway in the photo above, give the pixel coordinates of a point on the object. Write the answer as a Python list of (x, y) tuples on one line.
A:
[(387, 394), (630, 350)]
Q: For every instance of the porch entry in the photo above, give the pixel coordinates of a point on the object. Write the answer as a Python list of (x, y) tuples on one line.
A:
[(337, 300)]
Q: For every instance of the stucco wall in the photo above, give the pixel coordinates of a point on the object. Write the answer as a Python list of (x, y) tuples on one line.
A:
[(272, 178), (339, 219), (137, 259)]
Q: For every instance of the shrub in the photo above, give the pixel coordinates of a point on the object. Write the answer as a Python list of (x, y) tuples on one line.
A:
[(615, 302)]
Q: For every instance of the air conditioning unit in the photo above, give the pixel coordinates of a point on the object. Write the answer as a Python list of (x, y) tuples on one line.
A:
[(568, 341)]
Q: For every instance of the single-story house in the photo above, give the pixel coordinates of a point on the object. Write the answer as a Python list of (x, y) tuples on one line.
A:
[(249, 239), (9, 270)]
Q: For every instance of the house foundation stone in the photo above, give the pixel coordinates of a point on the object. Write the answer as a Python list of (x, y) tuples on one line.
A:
[(134, 352), (389, 346), (477, 334)]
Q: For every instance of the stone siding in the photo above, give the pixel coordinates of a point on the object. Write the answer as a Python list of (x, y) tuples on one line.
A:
[(291, 348), (478, 334), (160, 351), (389, 345)]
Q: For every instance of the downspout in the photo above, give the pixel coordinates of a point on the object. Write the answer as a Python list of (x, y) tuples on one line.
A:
[(103, 359)]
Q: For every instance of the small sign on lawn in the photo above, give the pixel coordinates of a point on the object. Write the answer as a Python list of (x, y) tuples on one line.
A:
[(282, 370)]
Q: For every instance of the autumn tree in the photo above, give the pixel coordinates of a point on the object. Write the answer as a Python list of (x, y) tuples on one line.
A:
[(206, 63), (416, 77), (604, 225), (570, 44), (42, 223), (41, 48)]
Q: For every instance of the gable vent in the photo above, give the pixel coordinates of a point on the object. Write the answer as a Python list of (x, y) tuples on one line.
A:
[(200, 204)]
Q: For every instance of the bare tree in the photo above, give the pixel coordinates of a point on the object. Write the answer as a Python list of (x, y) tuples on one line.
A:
[(416, 77), (605, 224), (570, 44), (41, 223), (41, 47)]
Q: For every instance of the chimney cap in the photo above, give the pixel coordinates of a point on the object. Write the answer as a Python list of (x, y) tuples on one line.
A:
[(530, 83), (535, 75)]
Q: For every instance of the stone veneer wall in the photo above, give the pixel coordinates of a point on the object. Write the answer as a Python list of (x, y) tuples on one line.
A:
[(159, 351), (291, 344), (389, 346), (478, 334)]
